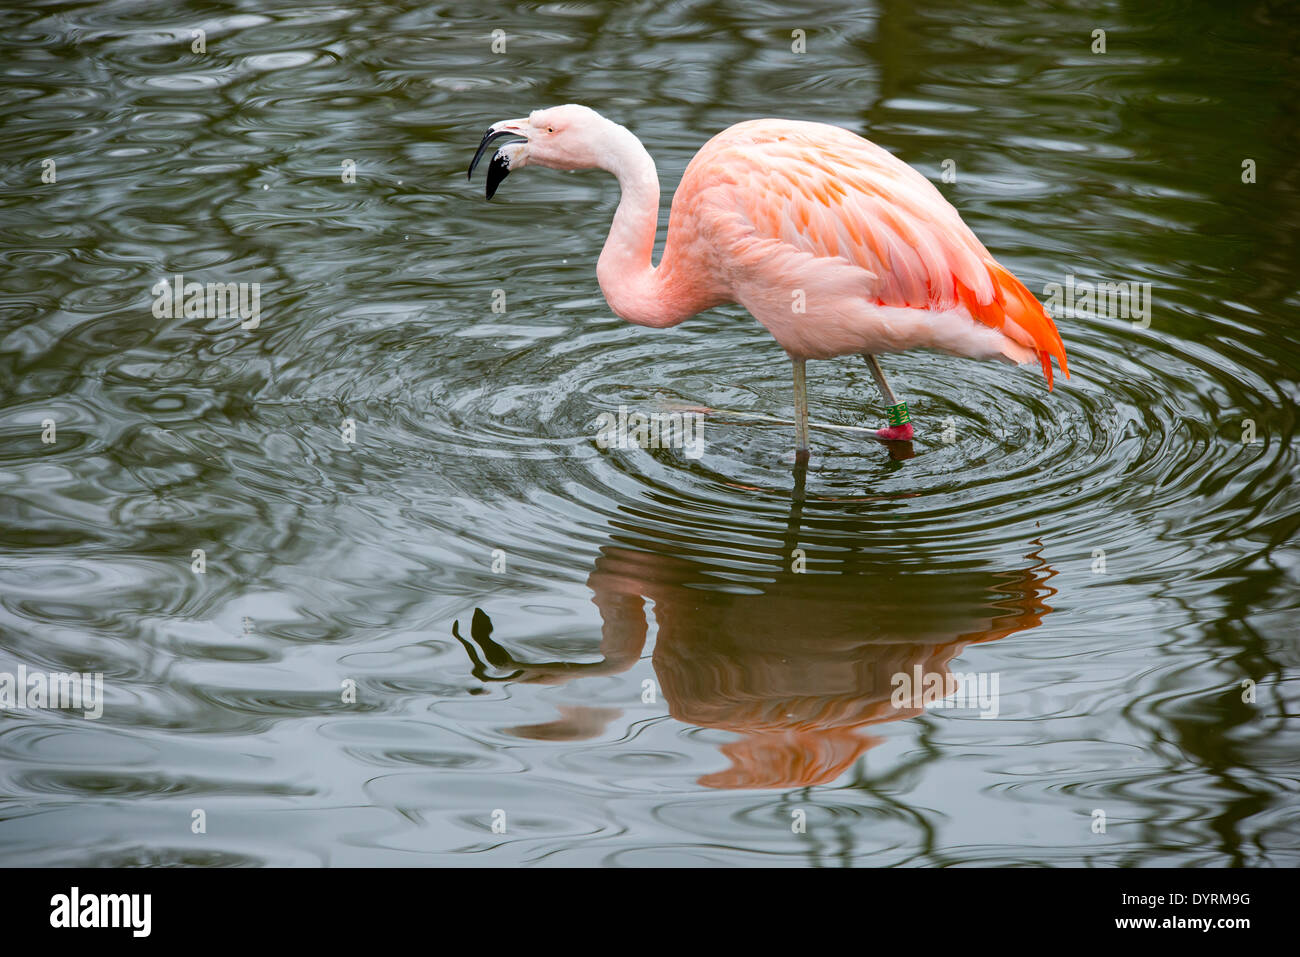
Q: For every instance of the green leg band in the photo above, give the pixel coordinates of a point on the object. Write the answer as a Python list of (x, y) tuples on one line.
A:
[(898, 414)]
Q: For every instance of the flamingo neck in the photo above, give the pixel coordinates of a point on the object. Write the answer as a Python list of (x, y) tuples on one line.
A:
[(634, 288)]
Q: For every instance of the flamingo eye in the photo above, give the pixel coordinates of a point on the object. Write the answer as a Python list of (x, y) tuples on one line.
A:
[(550, 129)]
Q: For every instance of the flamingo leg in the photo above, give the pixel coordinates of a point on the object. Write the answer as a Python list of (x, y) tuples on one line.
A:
[(900, 421), (800, 410)]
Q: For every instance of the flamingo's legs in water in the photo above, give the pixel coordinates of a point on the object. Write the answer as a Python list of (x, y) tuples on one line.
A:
[(800, 411), (900, 421)]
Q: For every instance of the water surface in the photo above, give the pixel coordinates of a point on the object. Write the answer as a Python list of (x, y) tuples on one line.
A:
[(640, 657)]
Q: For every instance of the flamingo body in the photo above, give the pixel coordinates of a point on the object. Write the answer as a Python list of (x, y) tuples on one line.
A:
[(882, 261)]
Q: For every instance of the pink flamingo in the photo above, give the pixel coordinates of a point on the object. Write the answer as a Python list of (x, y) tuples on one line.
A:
[(834, 244)]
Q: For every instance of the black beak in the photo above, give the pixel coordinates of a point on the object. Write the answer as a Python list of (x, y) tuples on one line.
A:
[(499, 168)]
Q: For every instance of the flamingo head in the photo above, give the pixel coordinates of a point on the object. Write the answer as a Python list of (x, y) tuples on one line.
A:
[(566, 137)]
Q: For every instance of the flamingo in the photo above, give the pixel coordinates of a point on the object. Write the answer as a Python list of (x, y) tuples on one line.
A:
[(831, 242)]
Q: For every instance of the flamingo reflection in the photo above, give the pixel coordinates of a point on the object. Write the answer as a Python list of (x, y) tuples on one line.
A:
[(797, 665)]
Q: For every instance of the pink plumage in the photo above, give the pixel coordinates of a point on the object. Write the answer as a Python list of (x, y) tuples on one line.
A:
[(835, 245)]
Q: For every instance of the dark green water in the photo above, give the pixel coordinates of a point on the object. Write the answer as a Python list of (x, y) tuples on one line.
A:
[(648, 680)]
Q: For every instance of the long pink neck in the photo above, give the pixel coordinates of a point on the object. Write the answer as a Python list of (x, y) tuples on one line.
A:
[(634, 288)]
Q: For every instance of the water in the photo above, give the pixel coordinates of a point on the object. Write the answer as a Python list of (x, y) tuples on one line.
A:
[(648, 680)]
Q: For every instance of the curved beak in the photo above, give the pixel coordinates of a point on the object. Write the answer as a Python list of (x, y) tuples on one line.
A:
[(499, 168)]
